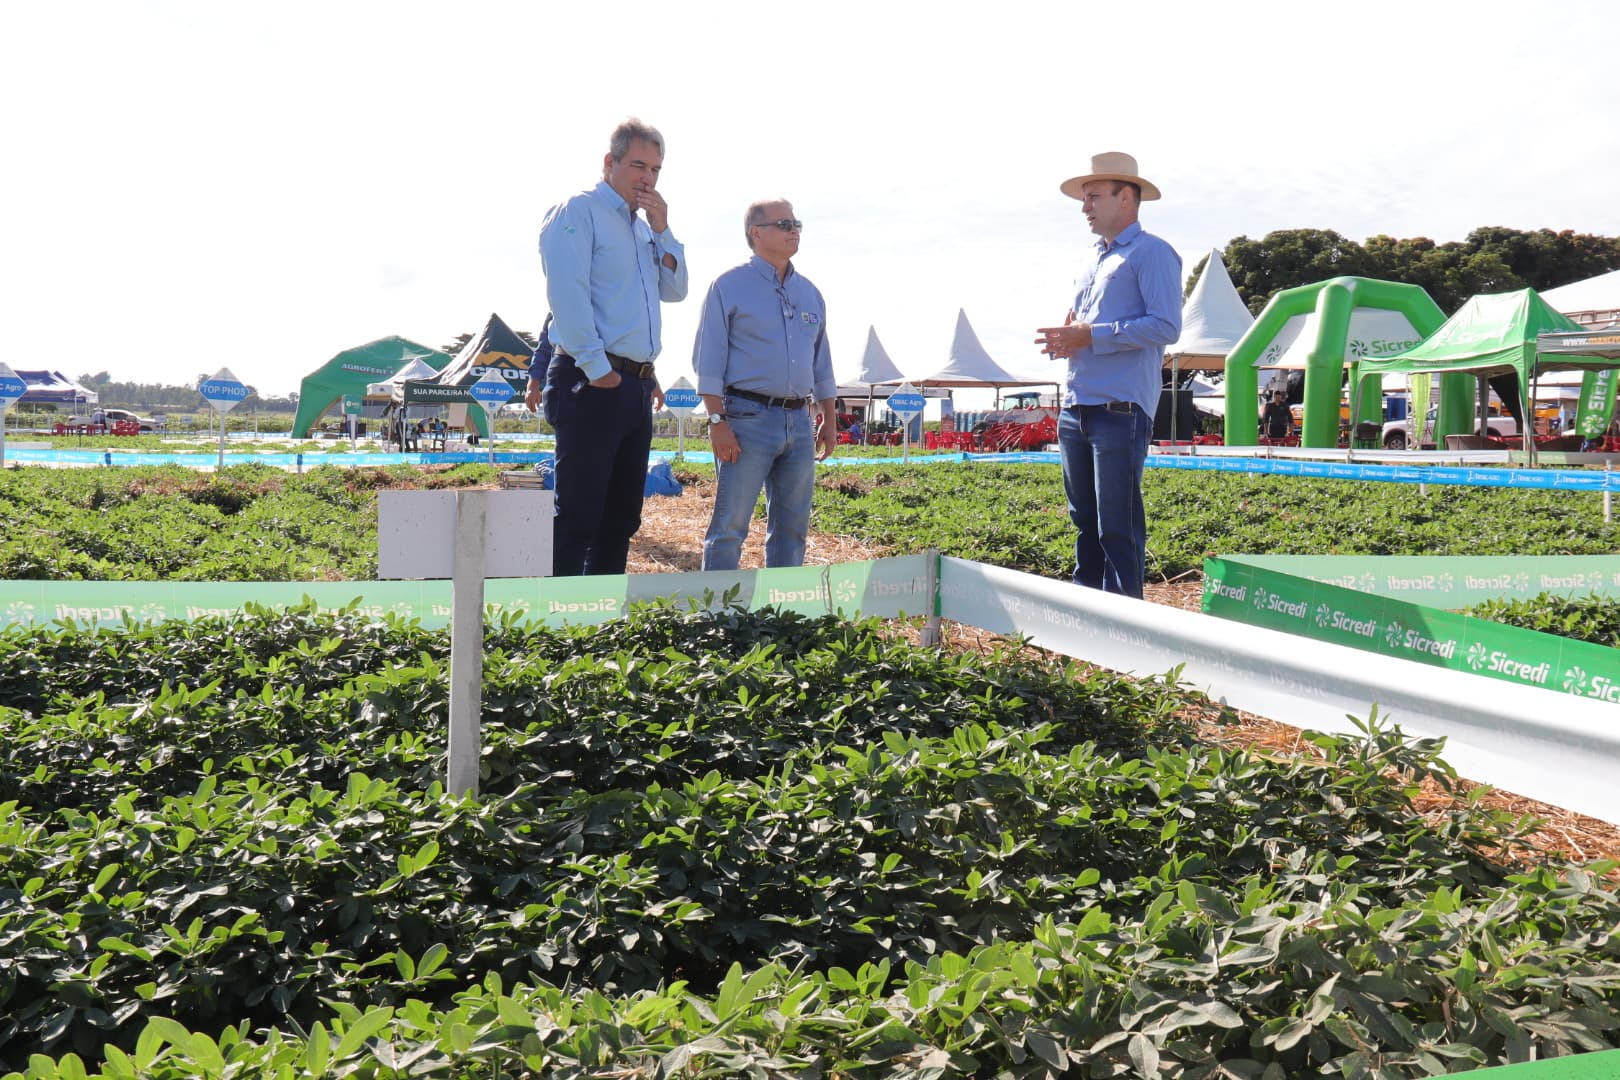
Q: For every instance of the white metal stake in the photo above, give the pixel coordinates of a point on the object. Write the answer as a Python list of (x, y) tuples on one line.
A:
[(221, 463), (466, 644), (1608, 493), (930, 635)]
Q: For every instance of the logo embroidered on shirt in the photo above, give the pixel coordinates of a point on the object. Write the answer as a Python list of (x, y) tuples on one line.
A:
[(810, 317)]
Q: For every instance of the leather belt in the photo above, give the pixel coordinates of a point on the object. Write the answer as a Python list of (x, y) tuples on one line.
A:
[(622, 364), (768, 401), (1109, 406)]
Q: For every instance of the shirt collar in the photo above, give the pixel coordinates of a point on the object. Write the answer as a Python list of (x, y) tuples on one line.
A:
[(1126, 237), (605, 192), (763, 267)]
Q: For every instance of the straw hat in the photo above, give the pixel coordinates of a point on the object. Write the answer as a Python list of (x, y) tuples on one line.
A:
[(1110, 166)]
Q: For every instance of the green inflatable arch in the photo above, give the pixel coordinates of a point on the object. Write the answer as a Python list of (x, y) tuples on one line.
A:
[(1333, 301)]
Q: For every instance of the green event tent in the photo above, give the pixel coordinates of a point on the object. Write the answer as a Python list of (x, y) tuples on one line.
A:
[(348, 374), (1492, 334)]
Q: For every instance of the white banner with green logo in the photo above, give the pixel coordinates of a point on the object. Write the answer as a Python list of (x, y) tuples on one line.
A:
[(886, 588)]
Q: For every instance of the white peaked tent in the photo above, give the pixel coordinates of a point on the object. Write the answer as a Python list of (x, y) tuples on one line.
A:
[(393, 387), (1597, 297), (876, 367), (1213, 320), (970, 365)]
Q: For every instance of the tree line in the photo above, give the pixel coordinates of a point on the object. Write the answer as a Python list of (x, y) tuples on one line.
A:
[(164, 397), (1491, 259)]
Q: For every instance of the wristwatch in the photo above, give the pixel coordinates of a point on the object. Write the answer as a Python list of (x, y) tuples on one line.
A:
[(717, 418)]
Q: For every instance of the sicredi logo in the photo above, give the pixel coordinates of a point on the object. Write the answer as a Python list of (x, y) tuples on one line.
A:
[(1339, 620), (884, 588), (1601, 687), (1569, 581), (608, 605), (1481, 658), (1405, 637), (1237, 593), (1282, 605), (1403, 584), (102, 614), (818, 594), (845, 591)]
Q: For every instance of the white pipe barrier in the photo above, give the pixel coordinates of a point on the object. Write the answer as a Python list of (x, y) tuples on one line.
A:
[(1556, 748)]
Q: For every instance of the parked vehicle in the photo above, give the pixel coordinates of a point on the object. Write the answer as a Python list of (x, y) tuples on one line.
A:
[(113, 416), (1502, 427)]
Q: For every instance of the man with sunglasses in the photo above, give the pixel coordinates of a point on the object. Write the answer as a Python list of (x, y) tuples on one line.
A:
[(606, 272), (764, 370), (1127, 310)]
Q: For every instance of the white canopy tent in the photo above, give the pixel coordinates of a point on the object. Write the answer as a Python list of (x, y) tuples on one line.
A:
[(393, 387), (969, 365), (1596, 298), (1213, 320)]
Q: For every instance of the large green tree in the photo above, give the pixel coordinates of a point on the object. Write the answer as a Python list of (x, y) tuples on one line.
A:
[(1491, 259)]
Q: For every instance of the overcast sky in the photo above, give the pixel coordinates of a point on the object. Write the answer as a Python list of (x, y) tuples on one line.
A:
[(260, 186)]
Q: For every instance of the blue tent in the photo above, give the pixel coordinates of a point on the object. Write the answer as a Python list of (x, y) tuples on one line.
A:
[(53, 388)]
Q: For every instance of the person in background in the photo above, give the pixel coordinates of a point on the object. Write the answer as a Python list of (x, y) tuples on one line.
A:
[(763, 365), (1276, 417), (1127, 310), (606, 272)]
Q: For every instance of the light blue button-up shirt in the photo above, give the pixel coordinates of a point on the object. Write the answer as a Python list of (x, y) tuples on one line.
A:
[(764, 335), (1131, 296), (605, 275)]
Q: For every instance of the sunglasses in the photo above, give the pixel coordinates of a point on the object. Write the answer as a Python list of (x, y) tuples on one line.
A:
[(787, 224)]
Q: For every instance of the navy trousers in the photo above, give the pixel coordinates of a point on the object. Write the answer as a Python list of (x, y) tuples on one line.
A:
[(603, 439)]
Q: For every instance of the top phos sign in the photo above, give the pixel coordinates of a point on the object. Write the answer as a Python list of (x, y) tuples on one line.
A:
[(223, 390)]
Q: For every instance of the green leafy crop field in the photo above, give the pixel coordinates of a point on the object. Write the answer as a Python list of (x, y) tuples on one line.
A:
[(729, 844), (1015, 515), (254, 523)]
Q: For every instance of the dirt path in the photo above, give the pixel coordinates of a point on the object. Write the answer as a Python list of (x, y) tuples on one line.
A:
[(671, 539)]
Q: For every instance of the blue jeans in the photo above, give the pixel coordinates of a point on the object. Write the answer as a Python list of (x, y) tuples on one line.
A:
[(1103, 456), (778, 453), (603, 437)]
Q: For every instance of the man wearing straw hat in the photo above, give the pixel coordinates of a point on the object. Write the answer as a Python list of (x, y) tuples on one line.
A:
[(1126, 312)]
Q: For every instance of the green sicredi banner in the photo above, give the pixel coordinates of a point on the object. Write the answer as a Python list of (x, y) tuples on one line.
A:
[(1387, 606), (1595, 408), (1602, 1065), (882, 587)]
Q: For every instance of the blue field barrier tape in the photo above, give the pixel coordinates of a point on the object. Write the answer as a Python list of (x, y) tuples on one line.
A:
[(1456, 476)]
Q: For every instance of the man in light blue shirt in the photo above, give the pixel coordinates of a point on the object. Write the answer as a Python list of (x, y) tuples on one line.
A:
[(1127, 311), (763, 366), (606, 273)]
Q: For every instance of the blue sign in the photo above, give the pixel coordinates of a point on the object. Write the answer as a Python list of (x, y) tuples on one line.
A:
[(681, 397), (907, 405), (491, 393), (11, 388), (222, 392)]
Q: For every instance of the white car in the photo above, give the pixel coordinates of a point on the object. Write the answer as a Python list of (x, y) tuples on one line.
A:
[(1503, 427), (113, 416)]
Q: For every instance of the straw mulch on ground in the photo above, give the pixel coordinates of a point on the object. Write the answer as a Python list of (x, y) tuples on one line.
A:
[(671, 539)]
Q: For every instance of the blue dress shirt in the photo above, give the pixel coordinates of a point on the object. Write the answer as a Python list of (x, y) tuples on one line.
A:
[(1131, 296), (605, 275), (764, 335)]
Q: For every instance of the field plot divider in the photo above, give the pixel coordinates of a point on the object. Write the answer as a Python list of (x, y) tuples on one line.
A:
[(1559, 749)]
